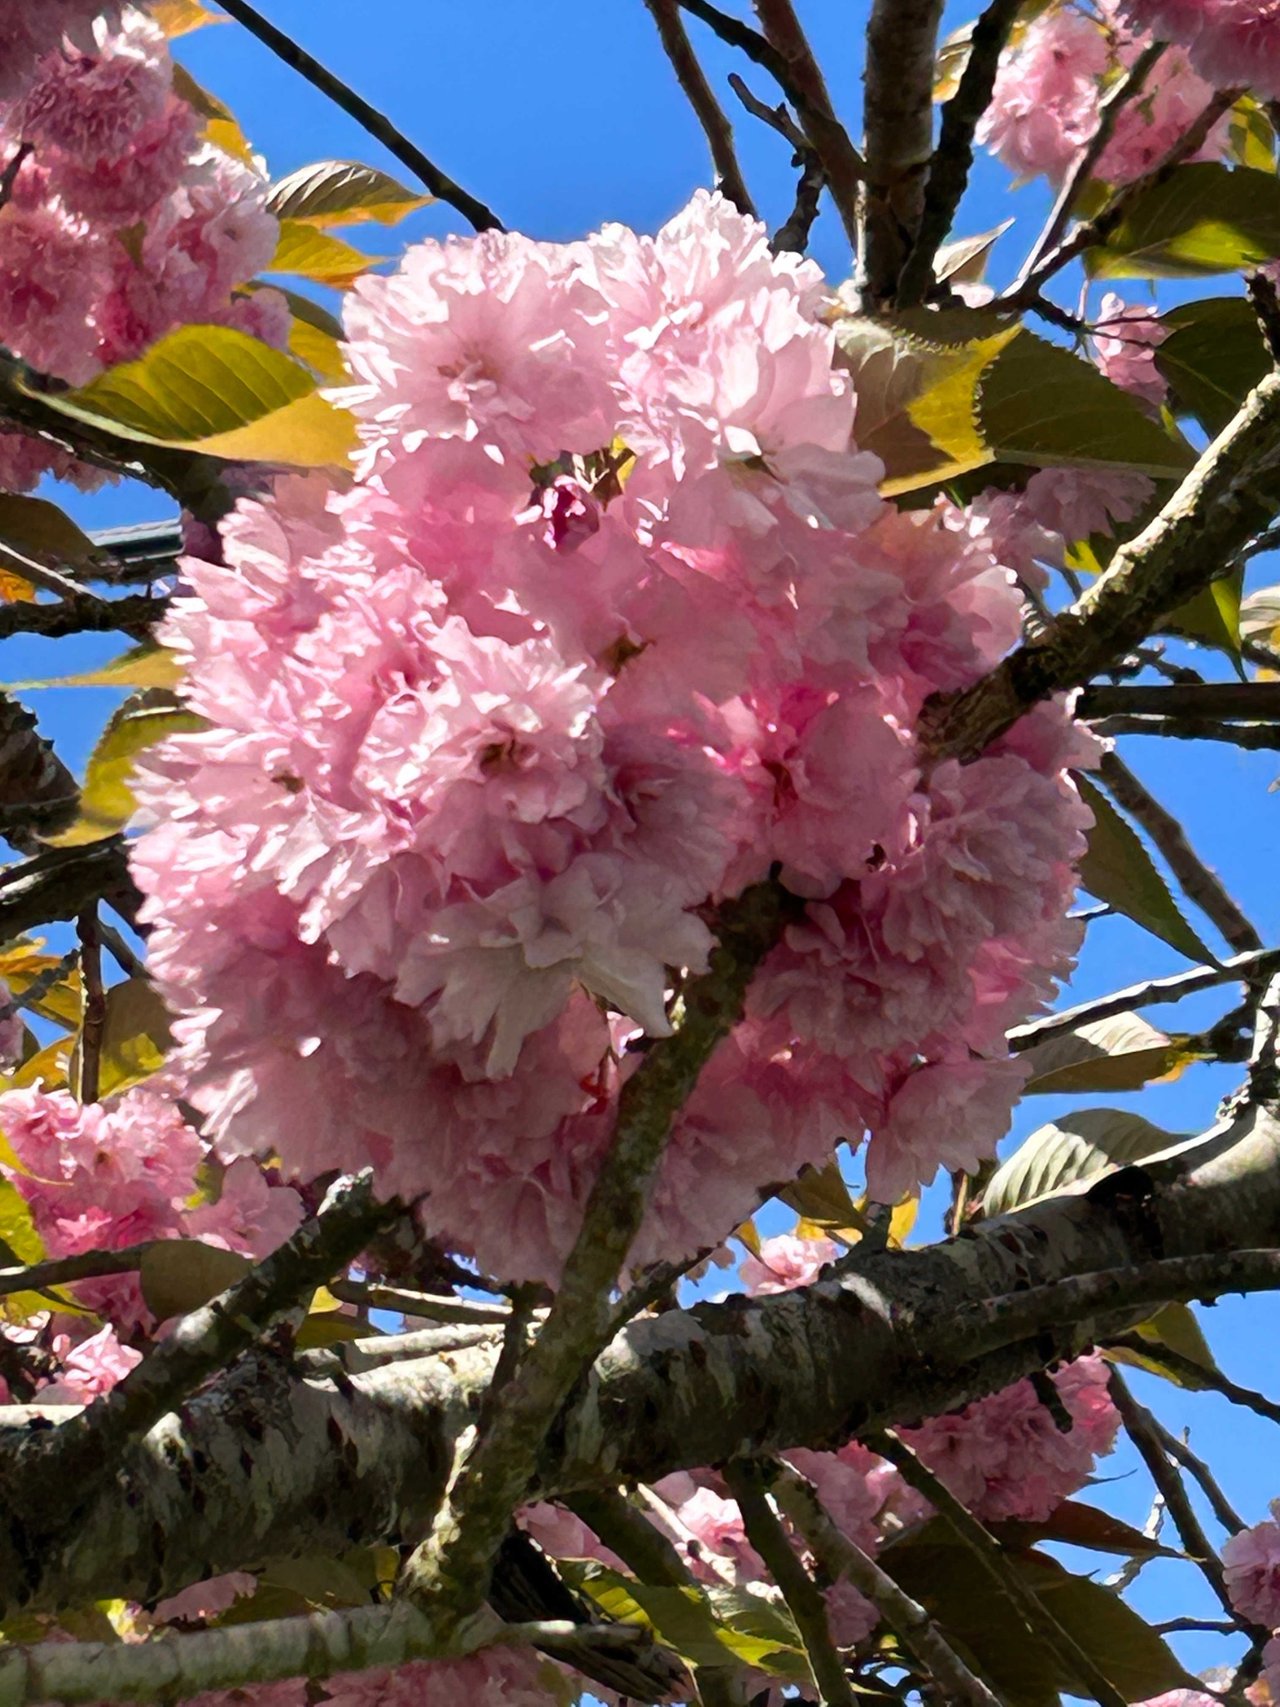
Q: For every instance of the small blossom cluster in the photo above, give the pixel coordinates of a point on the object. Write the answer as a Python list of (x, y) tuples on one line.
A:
[(1047, 101), (98, 1177), (612, 623), (1230, 43), (120, 223), (1251, 1565)]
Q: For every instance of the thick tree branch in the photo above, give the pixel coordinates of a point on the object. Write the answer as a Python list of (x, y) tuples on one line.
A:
[(902, 42), (701, 97), (261, 1462), (1204, 524), (1253, 702), (952, 159), (1199, 884), (440, 184)]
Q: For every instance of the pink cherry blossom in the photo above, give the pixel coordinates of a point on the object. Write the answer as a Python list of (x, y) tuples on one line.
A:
[(1124, 337), (785, 1262), (1229, 42), (1251, 1561)]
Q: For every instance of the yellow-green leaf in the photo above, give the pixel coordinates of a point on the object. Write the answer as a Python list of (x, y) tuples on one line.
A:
[(1200, 219), (1117, 869), (180, 17), (343, 192), (1122, 1053), (1074, 1150), (179, 1275), (106, 795), (147, 665), (222, 128), (135, 1037), (42, 530), (21, 965), (47, 1067), (311, 253), (1175, 1327), (218, 391)]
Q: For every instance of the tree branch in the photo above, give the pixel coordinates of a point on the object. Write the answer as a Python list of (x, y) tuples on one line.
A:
[(1246, 968), (1140, 1426), (454, 1563), (476, 214), (952, 159), (747, 1484), (700, 96), (135, 614), (793, 234), (261, 1462), (902, 42), (1249, 737), (804, 84), (1203, 525), (38, 794), (1197, 1374), (62, 882), (1199, 884), (909, 1621), (986, 1550)]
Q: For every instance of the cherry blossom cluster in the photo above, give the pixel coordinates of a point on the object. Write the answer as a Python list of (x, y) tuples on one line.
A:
[(98, 1177), (1251, 1565), (612, 622), (1048, 94), (121, 222)]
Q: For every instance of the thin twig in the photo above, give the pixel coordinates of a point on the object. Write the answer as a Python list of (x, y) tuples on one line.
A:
[(1249, 737), (40, 985), (477, 215), (806, 87), (700, 96), (1151, 993), (128, 962), (1108, 112), (1200, 885), (747, 1483), (94, 1017), (1199, 1471), (952, 159), (1097, 230), (1211, 1377), (61, 883), (1142, 1429), (1211, 1626), (840, 1557), (793, 235), (1075, 1662), (419, 1304), (62, 1271)]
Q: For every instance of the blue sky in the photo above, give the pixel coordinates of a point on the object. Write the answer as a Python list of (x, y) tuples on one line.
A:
[(563, 116)]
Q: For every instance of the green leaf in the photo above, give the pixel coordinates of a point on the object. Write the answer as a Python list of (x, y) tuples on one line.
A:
[(965, 260), (1212, 358), (990, 1632), (179, 1275), (691, 1621), (180, 17), (147, 665), (1074, 1150), (218, 391), (1117, 869), (1122, 1053), (1251, 138), (1260, 615), (820, 1196), (1213, 616), (315, 337), (40, 529), (310, 253), (135, 1037), (1201, 219), (342, 192), (106, 795)]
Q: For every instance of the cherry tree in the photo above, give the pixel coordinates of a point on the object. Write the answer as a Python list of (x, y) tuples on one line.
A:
[(616, 734)]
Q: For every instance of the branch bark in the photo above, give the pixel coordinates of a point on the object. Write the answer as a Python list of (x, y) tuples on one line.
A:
[(701, 97), (902, 40), (61, 882), (262, 1462), (1204, 524)]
